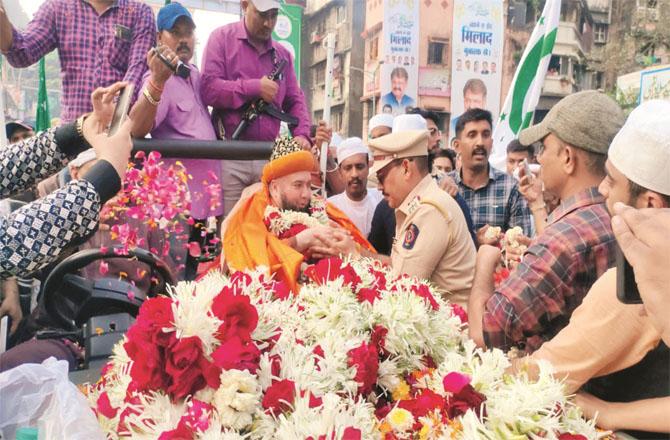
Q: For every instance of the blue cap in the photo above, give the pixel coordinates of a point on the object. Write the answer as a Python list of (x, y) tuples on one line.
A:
[(169, 14)]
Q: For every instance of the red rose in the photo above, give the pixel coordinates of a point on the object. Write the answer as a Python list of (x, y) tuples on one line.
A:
[(104, 407), (188, 369), (155, 315), (148, 360), (240, 279), (313, 400), (237, 354), (238, 315), (351, 433), (368, 294), (279, 397), (366, 361), (459, 311), (468, 398), (181, 432), (423, 403), (423, 291), (378, 338), (280, 290), (566, 436), (330, 269), (380, 279)]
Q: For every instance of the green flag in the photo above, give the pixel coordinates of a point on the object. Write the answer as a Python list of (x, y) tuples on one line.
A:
[(43, 119), (526, 88)]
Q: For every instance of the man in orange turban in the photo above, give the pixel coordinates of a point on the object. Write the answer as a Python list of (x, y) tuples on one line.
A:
[(278, 226)]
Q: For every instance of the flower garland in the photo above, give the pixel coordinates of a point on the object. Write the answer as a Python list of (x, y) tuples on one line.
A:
[(285, 223), (359, 354)]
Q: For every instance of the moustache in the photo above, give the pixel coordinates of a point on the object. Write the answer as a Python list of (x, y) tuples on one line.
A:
[(479, 150), (183, 47), (355, 181)]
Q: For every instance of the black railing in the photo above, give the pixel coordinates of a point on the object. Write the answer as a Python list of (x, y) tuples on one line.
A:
[(197, 149)]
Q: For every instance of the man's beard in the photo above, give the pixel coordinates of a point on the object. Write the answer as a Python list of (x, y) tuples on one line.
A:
[(288, 206)]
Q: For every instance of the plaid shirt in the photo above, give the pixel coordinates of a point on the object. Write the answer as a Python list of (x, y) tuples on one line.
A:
[(94, 50), (555, 274), (499, 203)]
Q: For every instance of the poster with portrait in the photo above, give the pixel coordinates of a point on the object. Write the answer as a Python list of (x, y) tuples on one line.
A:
[(400, 70), (476, 57)]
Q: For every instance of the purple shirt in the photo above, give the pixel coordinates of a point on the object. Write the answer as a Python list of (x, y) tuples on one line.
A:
[(231, 76), (182, 115), (93, 50)]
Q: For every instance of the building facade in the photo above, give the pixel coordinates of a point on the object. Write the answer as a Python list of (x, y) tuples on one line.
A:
[(344, 18)]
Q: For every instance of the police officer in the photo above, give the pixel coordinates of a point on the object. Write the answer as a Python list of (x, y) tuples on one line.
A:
[(432, 238)]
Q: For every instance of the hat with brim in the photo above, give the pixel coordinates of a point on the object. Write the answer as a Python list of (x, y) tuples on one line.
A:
[(11, 127), (586, 120), (265, 5), (398, 145), (169, 14)]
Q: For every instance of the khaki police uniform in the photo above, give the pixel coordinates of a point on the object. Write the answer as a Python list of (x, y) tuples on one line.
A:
[(432, 240)]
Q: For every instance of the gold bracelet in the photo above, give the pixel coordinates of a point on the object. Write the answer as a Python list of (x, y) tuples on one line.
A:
[(79, 124), (150, 98)]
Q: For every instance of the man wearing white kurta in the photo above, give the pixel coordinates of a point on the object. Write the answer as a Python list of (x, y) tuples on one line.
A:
[(357, 201)]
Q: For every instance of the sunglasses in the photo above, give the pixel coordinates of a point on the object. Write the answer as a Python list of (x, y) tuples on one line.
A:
[(383, 173)]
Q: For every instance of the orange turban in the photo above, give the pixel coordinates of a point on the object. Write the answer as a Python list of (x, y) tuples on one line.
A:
[(288, 157), (289, 164)]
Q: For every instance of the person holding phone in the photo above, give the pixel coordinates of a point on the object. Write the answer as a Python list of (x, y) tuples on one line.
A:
[(99, 42), (618, 353), (73, 211), (171, 108)]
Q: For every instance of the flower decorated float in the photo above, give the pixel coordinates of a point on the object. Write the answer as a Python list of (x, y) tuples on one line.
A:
[(357, 354)]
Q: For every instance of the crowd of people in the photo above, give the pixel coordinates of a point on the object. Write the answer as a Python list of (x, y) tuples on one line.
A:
[(529, 255)]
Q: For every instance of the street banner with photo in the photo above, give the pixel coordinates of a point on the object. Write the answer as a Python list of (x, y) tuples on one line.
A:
[(476, 57), (400, 71), (524, 93), (654, 84), (287, 32)]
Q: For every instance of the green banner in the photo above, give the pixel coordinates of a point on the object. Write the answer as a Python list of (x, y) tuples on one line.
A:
[(43, 119), (287, 32)]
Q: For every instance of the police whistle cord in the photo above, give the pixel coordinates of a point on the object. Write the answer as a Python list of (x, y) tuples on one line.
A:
[(199, 149)]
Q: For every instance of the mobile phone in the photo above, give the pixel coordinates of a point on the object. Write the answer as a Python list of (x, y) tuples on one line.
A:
[(121, 110), (626, 287)]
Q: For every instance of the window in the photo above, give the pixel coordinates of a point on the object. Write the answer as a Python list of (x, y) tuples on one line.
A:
[(319, 74), (651, 4), (341, 14), (374, 48), (336, 119), (437, 52), (600, 33)]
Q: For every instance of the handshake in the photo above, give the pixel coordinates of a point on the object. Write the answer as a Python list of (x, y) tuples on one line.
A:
[(325, 241)]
